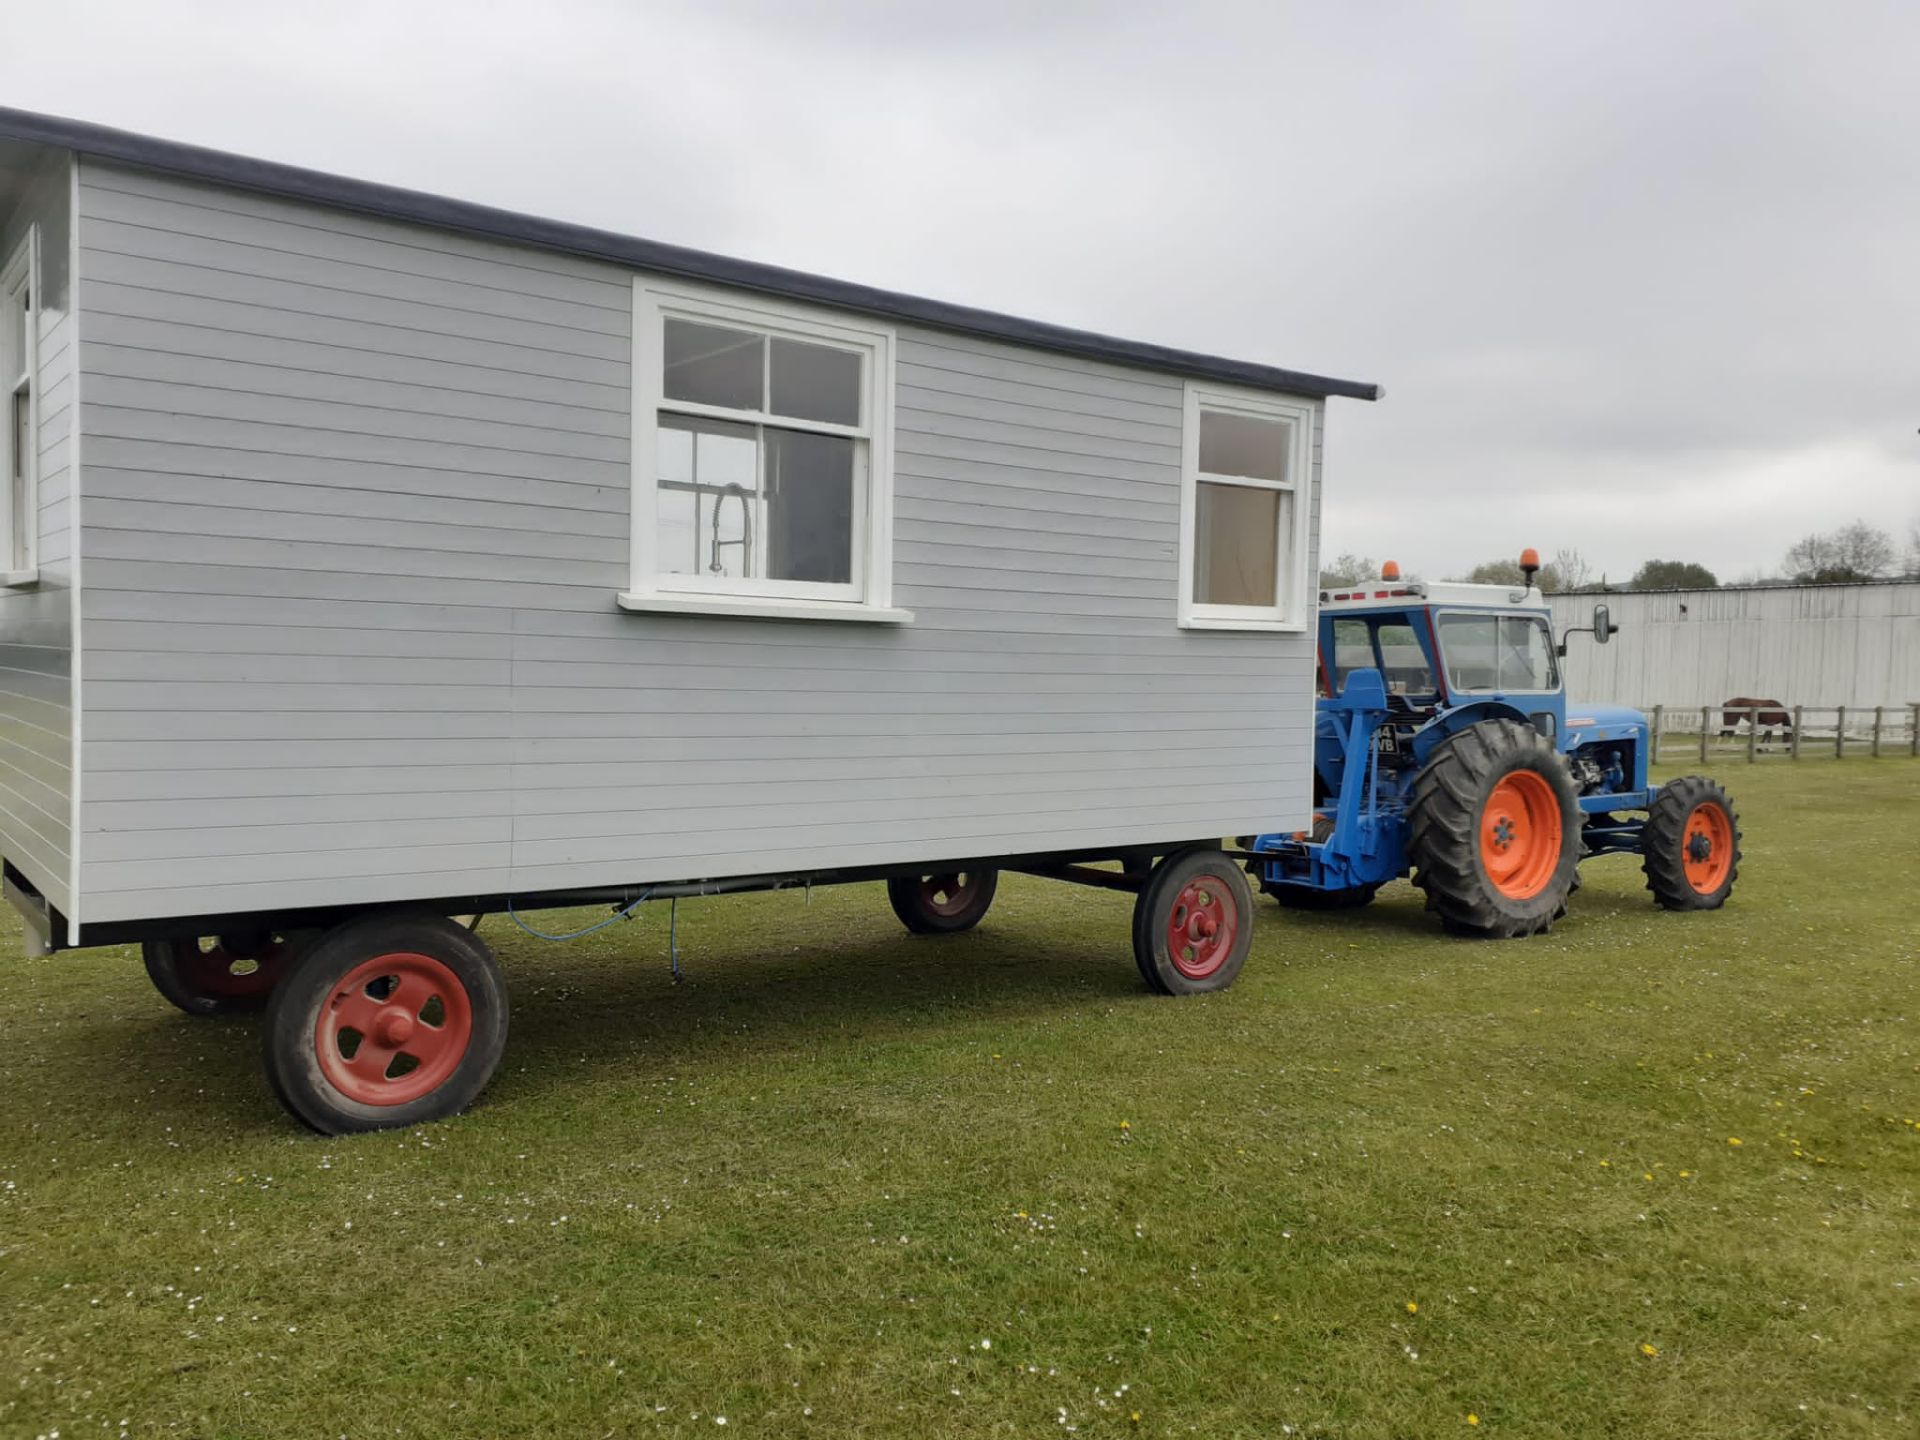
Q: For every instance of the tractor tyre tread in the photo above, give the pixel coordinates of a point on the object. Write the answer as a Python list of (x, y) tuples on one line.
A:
[(1443, 841), (1662, 858)]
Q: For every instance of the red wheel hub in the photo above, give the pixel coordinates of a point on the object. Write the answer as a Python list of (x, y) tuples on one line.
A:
[(394, 1028), (1202, 927), (948, 894)]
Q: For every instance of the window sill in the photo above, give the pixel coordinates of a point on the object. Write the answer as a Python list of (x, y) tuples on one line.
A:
[(748, 607), (1214, 622), (19, 579)]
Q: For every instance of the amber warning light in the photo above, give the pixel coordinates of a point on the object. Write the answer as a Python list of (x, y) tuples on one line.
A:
[(1390, 570)]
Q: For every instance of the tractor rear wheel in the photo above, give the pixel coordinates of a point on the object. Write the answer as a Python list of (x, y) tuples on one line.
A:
[(1690, 849), (1494, 831)]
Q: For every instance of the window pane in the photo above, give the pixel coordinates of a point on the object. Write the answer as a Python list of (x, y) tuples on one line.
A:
[(709, 480), (1407, 671), (1237, 531), (1526, 654), (815, 382), (1468, 640), (710, 365), (1352, 650), (810, 505), (1243, 445)]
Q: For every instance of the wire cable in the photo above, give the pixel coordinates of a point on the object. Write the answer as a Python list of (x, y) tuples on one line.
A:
[(618, 915)]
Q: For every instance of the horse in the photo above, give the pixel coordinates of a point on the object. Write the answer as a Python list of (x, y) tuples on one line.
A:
[(1765, 716)]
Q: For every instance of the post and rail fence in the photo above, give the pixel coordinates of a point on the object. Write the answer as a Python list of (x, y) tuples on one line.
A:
[(1783, 732)]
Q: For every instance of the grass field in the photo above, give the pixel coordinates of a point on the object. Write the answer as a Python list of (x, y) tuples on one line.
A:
[(1651, 1175)]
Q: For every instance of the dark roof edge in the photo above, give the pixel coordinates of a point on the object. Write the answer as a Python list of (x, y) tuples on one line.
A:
[(392, 203)]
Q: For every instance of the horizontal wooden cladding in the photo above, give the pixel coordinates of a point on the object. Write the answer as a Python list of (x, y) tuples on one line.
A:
[(307, 834), (110, 391), (1031, 369), (220, 314), (205, 282), (399, 565), (921, 372), (114, 193), (286, 886), (259, 824), (379, 382), (196, 872), (208, 577), (149, 242), (487, 761), (222, 517), (157, 425), (342, 479), (287, 360), (693, 851)]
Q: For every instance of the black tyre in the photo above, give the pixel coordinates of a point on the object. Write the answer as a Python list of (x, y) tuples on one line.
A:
[(230, 975), (1306, 897), (944, 902), (1690, 850), (1193, 923), (387, 1021), (1494, 831)]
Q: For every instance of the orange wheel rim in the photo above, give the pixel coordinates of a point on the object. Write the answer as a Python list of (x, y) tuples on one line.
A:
[(1706, 847), (1520, 835)]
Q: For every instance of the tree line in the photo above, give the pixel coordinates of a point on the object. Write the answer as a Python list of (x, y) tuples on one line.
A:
[(1849, 555)]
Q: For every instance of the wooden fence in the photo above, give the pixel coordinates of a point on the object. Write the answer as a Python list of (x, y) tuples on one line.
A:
[(1812, 732)]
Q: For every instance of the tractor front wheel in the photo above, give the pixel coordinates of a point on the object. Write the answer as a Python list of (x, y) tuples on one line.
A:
[(1193, 923), (1690, 849), (1494, 831), (387, 1021)]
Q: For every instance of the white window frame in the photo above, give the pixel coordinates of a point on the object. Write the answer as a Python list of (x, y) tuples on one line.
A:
[(1292, 610), (869, 595), (19, 285)]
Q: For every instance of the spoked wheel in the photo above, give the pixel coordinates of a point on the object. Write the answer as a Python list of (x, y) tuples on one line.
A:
[(229, 975), (1690, 849), (386, 1021), (1494, 831), (943, 903), (1193, 923)]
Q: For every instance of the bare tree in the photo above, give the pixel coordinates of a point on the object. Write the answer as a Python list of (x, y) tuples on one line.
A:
[(1913, 548), (1852, 553), (1570, 570), (1347, 569)]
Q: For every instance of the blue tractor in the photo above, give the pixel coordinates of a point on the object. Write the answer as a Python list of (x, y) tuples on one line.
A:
[(1445, 749)]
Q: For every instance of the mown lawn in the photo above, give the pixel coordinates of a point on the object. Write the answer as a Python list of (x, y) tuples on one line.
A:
[(1652, 1175)]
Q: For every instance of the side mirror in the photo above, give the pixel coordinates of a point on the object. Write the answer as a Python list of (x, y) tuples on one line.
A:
[(1603, 626)]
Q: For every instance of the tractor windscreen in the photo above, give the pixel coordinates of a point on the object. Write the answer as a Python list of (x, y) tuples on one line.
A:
[(1387, 644), (1499, 652)]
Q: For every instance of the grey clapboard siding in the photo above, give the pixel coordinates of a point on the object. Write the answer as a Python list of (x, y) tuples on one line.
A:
[(36, 624), (356, 512)]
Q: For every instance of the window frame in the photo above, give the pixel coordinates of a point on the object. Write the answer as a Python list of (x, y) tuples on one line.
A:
[(869, 593), (21, 276), (1293, 610), (1540, 622)]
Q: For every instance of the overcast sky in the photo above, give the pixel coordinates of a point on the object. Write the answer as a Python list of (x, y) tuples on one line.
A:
[(1640, 278)]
